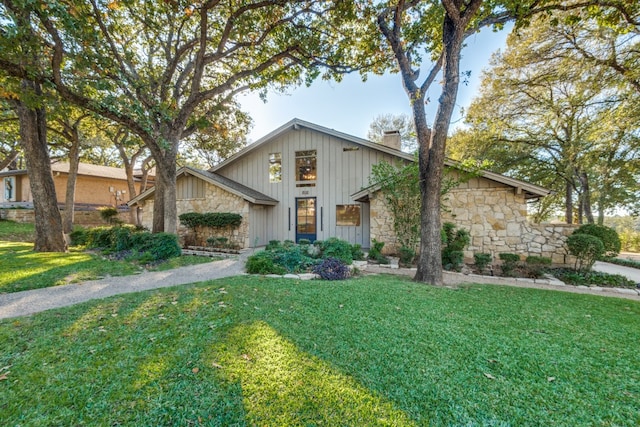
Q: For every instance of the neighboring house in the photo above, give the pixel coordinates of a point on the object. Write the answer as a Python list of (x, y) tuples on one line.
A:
[(95, 185), (307, 181)]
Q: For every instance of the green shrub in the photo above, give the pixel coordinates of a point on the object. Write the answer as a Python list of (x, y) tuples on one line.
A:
[(161, 246), (292, 259), (482, 261), (586, 248), (608, 236), (79, 237), (356, 252), (592, 278), (304, 242), (453, 243), (273, 244), (509, 263), (210, 219), (110, 215), (407, 256), (536, 266), (375, 252), (263, 263), (337, 248)]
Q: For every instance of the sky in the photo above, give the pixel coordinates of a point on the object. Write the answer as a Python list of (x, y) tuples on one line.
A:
[(351, 105)]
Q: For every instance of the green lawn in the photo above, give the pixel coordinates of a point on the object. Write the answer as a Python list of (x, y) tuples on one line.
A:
[(16, 232), (377, 350)]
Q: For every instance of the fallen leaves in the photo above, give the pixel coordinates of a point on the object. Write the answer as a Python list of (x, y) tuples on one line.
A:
[(488, 375)]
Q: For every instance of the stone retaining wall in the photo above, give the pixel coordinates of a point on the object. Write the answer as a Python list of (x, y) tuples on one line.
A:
[(496, 220), (83, 218)]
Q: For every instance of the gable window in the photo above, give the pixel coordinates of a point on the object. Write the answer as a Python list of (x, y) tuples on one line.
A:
[(348, 215), (306, 172), (275, 167)]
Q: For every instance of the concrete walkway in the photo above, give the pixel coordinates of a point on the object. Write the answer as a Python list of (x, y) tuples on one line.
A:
[(37, 300), (628, 272)]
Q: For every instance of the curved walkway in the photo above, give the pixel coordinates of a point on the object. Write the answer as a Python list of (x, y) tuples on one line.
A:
[(37, 300)]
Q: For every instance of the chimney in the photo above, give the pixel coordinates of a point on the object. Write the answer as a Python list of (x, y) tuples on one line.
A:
[(391, 139)]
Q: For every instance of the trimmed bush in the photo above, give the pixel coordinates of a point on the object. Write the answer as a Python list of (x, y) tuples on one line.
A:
[(79, 237), (608, 236), (356, 252), (210, 219), (586, 248), (375, 252), (332, 269), (110, 215), (509, 263), (482, 261)]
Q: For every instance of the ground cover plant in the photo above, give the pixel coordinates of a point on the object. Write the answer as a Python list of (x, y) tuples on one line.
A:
[(377, 350)]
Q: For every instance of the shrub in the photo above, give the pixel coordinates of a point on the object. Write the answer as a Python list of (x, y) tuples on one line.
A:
[(332, 269), (304, 242), (110, 215), (536, 266), (263, 263), (337, 248), (509, 263), (586, 248), (160, 245), (79, 237), (292, 259), (586, 278), (454, 241), (608, 236), (211, 241), (482, 261), (375, 252), (407, 255), (273, 244), (210, 219), (356, 252)]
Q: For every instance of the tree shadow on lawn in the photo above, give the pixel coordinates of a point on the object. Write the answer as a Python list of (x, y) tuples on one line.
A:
[(383, 351)]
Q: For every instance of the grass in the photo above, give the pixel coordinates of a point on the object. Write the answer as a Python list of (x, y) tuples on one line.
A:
[(625, 262), (16, 232), (23, 269), (377, 350)]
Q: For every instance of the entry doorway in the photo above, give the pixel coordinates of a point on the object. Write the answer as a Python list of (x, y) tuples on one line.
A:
[(306, 219)]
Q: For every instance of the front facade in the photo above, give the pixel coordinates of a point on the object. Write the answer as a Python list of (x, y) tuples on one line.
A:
[(304, 181)]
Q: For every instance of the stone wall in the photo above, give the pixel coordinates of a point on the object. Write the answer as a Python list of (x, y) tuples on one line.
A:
[(83, 218), (215, 200), (496, 220)]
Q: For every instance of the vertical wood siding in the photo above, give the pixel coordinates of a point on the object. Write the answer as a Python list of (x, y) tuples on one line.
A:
[(340, 174)]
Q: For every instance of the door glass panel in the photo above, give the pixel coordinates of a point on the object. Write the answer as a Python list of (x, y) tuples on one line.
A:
[(306, 216)]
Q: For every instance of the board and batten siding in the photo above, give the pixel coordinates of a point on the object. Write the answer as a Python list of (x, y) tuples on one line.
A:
[(340, 173)]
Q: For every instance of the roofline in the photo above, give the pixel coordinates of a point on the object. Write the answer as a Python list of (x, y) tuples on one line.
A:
[(296, 124), (195, 172)]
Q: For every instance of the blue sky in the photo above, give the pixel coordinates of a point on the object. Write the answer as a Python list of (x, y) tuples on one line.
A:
[(351, 105)]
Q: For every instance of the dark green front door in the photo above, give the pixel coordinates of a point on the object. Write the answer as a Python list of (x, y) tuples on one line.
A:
[(306, 219)]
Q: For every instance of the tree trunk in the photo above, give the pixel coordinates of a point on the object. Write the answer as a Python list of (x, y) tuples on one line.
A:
[(165, 212), (431, 158), (72, 178), (586, 197), (33, 138), (568, 203)]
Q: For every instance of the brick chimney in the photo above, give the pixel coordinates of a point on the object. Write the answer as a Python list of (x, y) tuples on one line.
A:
[(391, 139)]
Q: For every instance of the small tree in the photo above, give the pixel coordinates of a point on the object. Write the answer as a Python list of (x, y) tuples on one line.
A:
[(607, 235), (586, 248)]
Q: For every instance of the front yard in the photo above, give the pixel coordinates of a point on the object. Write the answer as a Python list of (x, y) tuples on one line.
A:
[(376, 350)]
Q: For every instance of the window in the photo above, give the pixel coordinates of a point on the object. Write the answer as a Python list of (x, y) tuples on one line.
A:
[(275, 167), (348, 215), (9, 189), (306, 168)]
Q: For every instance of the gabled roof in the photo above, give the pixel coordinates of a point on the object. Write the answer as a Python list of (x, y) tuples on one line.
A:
[(297, 124), (225, 183), (531, 191)]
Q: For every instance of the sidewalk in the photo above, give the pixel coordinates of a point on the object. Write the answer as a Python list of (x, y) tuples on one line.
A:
[(37, 300)]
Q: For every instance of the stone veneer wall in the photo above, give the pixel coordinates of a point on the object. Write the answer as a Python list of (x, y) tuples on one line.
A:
[(496, 220), (215, 200)]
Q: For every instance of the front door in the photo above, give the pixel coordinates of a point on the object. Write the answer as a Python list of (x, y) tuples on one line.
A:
[(306, 219)]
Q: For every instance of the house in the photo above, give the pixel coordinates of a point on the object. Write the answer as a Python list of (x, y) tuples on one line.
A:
[(304, 181), (95, 185)]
